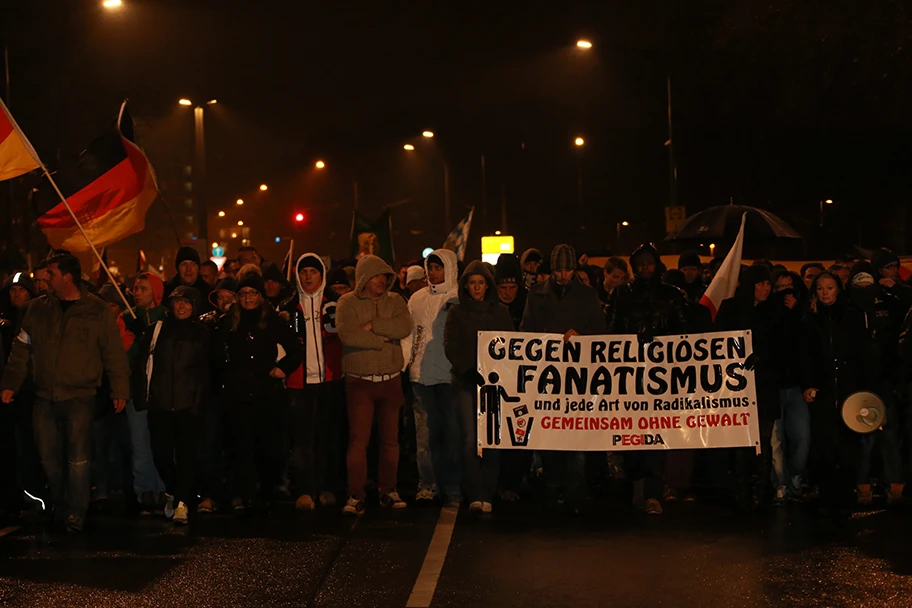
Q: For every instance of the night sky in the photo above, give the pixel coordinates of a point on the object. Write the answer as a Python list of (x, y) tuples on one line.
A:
[(776, 104)]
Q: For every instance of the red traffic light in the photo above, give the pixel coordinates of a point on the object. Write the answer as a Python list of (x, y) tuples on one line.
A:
[(299, 217)]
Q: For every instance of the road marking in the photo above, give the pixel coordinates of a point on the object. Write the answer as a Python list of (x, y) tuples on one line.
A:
[(426, 585), (9, 530)]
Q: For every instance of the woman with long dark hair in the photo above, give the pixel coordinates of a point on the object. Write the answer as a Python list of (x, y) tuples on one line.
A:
[(835, 349)]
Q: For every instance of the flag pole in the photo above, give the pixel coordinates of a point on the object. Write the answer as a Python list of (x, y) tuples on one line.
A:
[(290, 259), (34, 155)]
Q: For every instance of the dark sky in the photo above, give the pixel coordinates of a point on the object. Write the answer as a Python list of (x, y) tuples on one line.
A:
[(776, 104)]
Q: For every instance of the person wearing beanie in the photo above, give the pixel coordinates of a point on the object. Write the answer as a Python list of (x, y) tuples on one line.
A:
[(648, 307), (885, 266), (415, 279), (337, 282), (16, 294), (170, 382), (478, 310), (316, 387), (187, 263), (148, 294), (257, 351), (562, 305), (690, 264), (436, 424), (371, 322), (531, 261), (277, 288)]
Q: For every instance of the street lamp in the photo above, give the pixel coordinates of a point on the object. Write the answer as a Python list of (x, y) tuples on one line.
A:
[(111, 4), (618, 242), (185, 102), (240, 201), (408, 147), (263, 187), (240, 222), (428, 134), (583, 44), (579, 141), (221, 214), (200, 157), (446, 181), (320, 164), (828, 201)]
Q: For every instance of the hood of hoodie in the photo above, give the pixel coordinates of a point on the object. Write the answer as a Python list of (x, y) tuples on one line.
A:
[(527, 253), (188, 293), (318, 294), (648, 248), (479, 268), (158, 286), (450, 273), (227, 284), (368, 267)]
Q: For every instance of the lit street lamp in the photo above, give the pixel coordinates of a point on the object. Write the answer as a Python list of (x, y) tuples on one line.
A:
[(828, 202), (408, 147), (579, 141), (320, 164), (221, 214), (618, 242), (446, 182), (583, 44), (112, 4), (199, 130), (240, 201), (263, 187), (428, 134)]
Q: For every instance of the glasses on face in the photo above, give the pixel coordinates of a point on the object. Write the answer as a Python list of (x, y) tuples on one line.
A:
[(249, 295), (891, 266)]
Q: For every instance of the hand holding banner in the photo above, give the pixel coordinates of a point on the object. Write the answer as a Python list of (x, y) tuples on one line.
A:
[(616, 392)]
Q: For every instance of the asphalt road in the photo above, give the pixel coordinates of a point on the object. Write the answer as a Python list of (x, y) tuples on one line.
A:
[(697, 554)]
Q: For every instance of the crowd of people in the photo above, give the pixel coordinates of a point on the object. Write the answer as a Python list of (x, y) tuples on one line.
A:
[(226, 389)]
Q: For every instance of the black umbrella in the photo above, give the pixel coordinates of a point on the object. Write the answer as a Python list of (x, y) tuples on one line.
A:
[(722, 223)]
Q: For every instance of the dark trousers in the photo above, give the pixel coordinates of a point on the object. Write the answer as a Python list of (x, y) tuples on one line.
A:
[(566, 470), (63, 432), (10, 492), (479, 473), (316, 419), (514, 466), (175, 448), (32, 477), (211, 471), (834, 454), (256, 458), (366, 399), (647, 466), (113, 456)]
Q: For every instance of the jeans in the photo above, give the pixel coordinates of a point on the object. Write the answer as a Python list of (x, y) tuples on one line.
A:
[(211, 472), (174, 437), (886, 441), (366, 399), (438, 440), (794, 432), (479, 473), (316, 416), (145, 477), (63, 432)]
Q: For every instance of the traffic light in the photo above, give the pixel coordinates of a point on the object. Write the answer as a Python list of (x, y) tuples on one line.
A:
[(299, 218)]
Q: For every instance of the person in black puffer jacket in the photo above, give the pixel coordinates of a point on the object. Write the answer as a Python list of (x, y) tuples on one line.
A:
[(252, 369), (478, 310), (174, 391)]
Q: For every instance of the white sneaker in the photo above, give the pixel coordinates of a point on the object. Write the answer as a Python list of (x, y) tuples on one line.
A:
[(353, 506), (391, 500), (180, 514), (486, 508), (476, 506), (425, 495), (169, 506)]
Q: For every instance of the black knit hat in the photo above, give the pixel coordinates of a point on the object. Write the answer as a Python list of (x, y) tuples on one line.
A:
[(272, 273), (883, 257), (252, 281), (310, 262), (336, 276), (508, 269), (689, 258), (184, 254)]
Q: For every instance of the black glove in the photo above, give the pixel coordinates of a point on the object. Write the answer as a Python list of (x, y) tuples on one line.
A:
[(751, 362), (645, 337), (136, 327)]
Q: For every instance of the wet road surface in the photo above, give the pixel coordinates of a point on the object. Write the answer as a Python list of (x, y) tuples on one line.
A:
[(695, 555)]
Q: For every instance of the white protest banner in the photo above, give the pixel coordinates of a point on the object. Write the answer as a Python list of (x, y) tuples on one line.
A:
[(613, 393)]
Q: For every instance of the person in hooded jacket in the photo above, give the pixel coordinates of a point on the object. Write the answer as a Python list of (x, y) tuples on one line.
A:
[(884, 312), (835, 362), (647, 307), (751, 309), (690, 264), (562, 305), (478, 310), (277, 288), (252, 367), (171, 380), (436, 424), (531, 262), (316, 387)]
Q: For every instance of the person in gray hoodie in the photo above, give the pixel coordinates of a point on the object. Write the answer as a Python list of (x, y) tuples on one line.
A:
[(436, 425), (478, 310)]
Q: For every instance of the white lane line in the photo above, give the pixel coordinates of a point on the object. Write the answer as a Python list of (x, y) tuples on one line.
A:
[(426, 585), (9, 530)]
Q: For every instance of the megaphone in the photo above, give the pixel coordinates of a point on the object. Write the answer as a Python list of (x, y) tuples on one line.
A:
[(864, 412)]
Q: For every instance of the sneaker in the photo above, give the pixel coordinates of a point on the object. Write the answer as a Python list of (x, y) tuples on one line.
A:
[(486, 508), (895, 493), (74, 524), (327, 499), (653, 507), (670, 494), (169, 506), (476, 506), (639, 501), (207, 505), (391, 500), (865, 495), (237, 505), (305, 503), (509, 496), (425, 495), (147, 503), (781, 495), (353, 506), (181, 514)]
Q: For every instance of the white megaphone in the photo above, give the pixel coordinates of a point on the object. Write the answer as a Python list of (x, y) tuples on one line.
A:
[(864, 412)]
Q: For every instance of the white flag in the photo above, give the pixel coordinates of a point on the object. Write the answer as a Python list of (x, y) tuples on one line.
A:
[(725, 282)]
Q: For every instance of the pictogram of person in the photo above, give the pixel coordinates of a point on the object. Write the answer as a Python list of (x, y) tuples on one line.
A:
[(490, 404)]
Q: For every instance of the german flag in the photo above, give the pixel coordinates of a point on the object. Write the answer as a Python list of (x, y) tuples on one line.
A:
[(109, 187), (15, 158)]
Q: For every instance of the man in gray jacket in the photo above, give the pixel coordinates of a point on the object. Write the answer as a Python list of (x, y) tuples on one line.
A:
[(563, 305), (71, 339)]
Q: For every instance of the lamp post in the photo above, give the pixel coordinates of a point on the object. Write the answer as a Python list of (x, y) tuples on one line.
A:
[(579, 142), (828, 202), (446, 180), (199, 138), (320, 165), (618, 242)]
